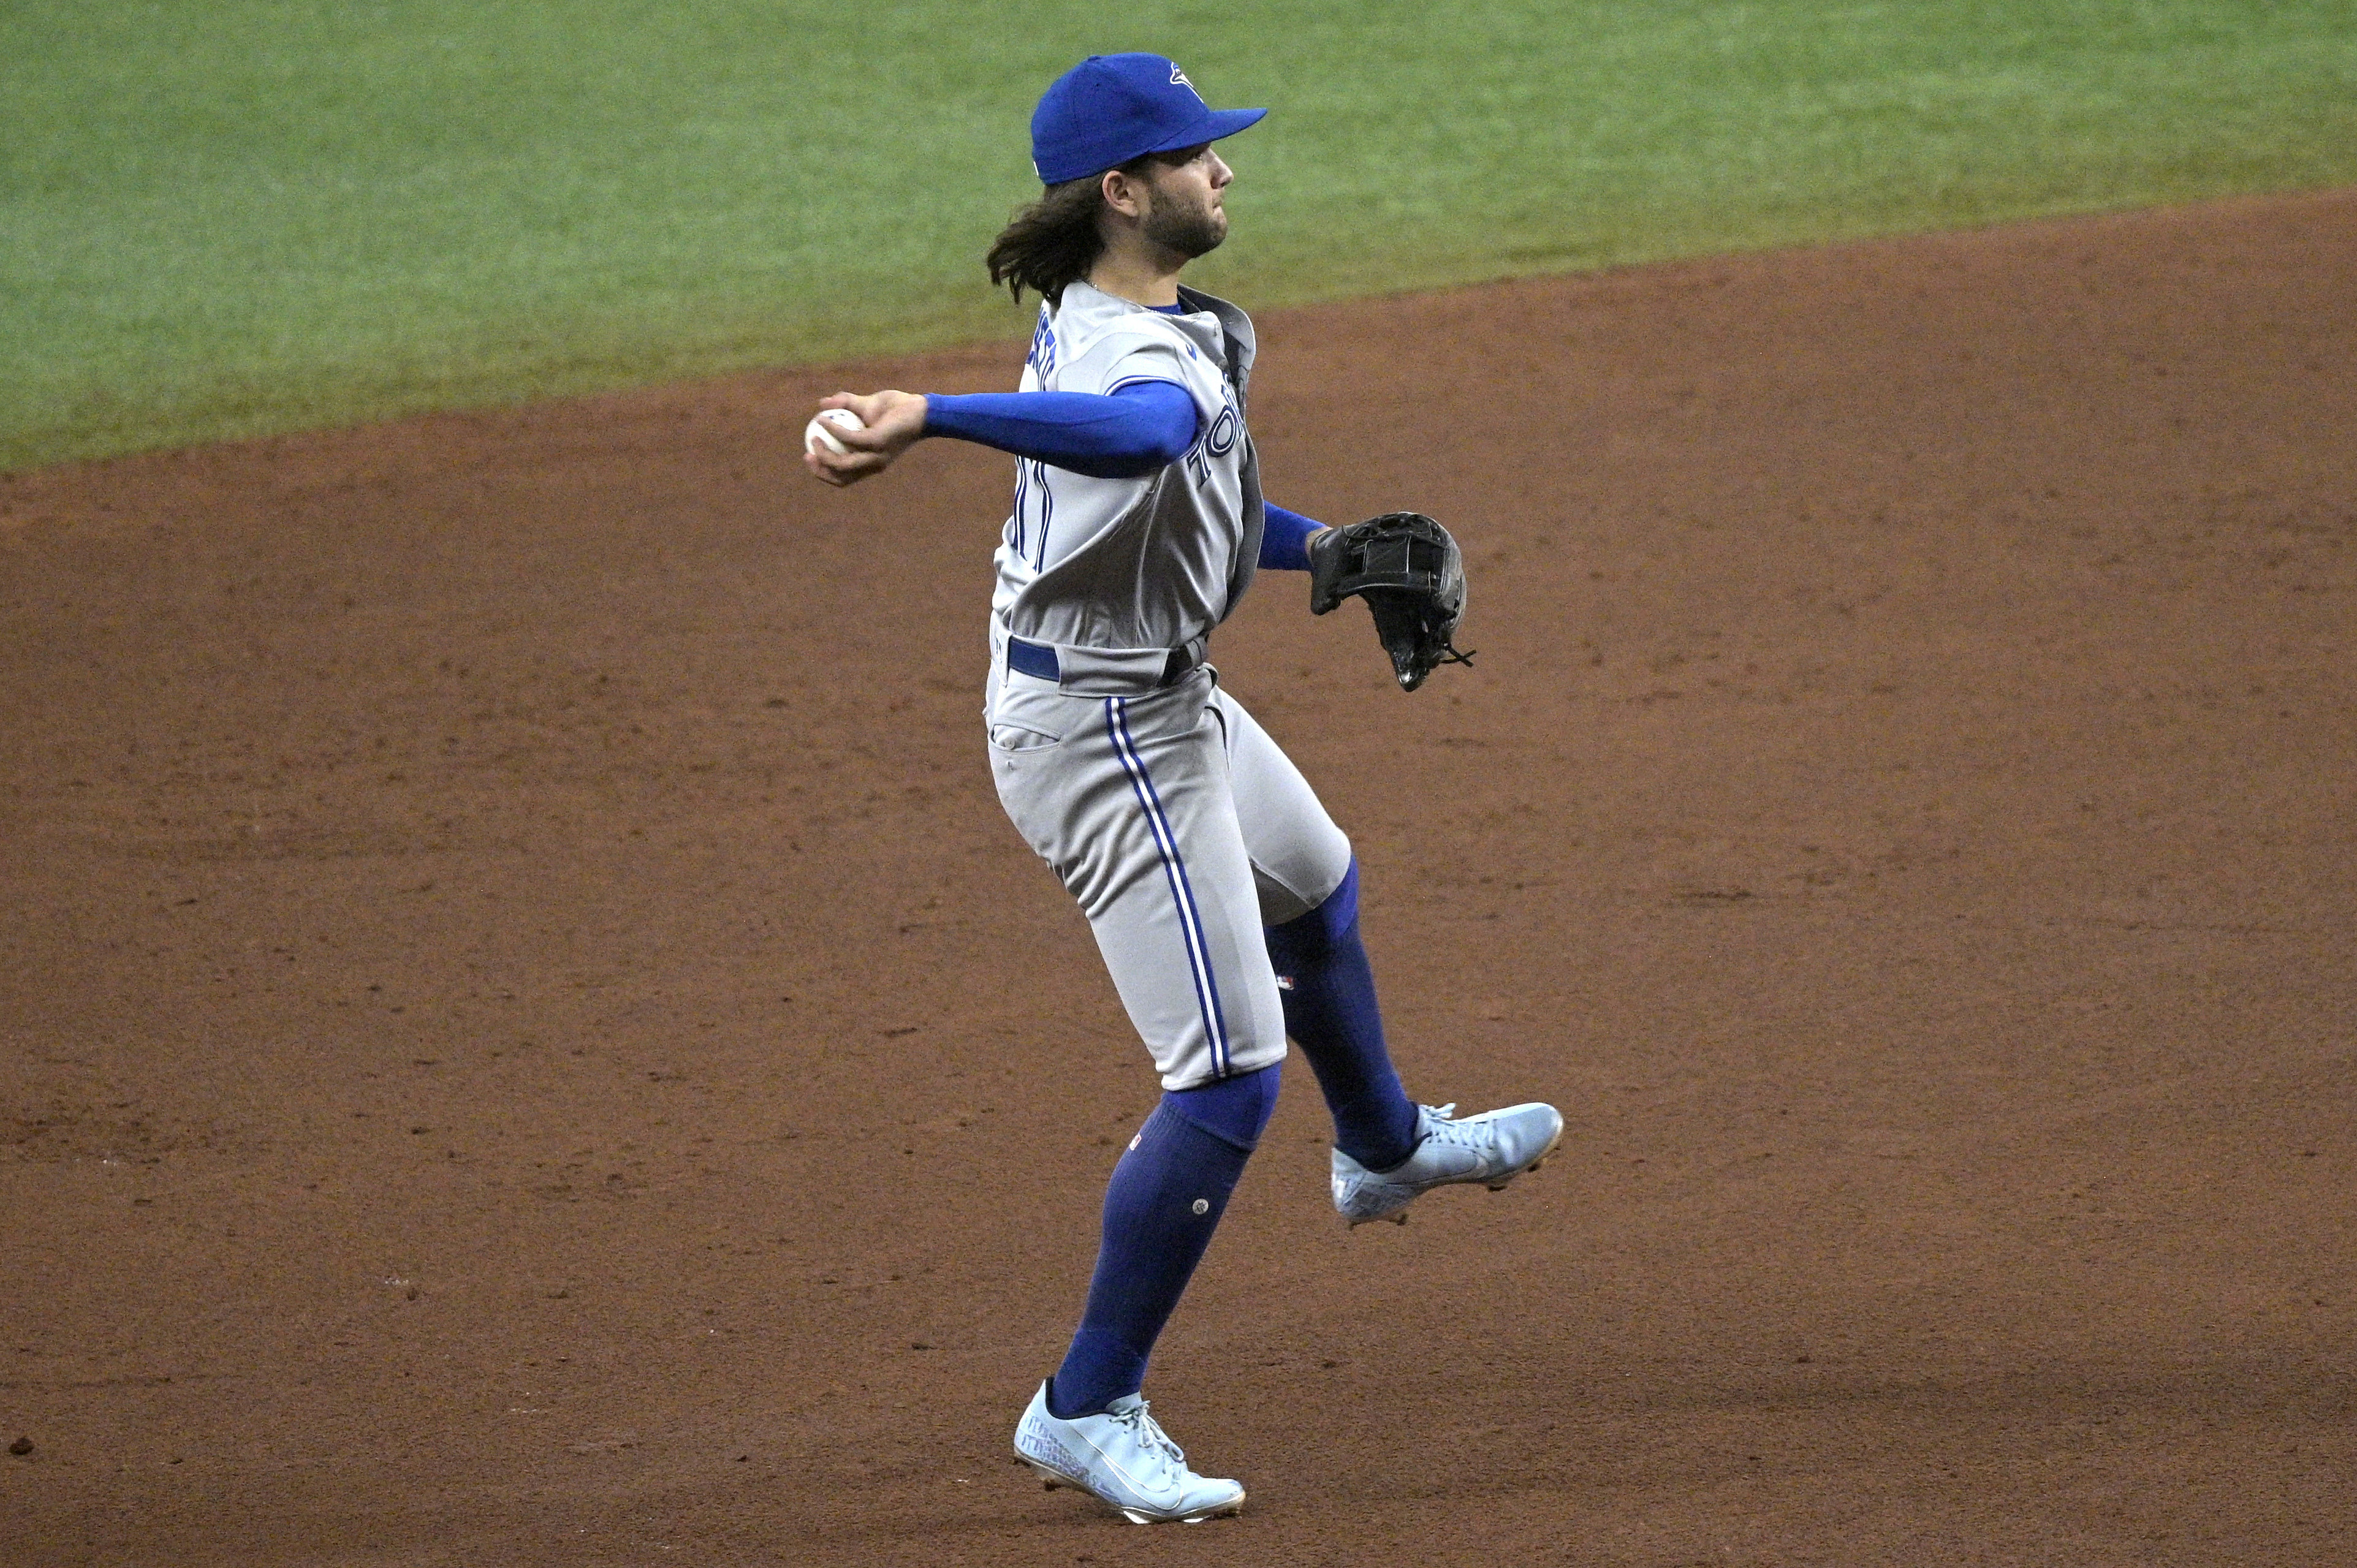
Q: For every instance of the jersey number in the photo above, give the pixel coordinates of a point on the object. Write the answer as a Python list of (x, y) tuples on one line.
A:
[(1035, 508)]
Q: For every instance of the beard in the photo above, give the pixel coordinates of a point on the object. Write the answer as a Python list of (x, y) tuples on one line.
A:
[(1190, 232)]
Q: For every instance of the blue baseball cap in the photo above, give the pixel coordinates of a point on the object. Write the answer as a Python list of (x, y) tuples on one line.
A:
[(1109, 108)]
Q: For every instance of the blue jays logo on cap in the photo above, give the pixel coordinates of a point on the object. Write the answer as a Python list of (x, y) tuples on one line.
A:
[(1109, 108)]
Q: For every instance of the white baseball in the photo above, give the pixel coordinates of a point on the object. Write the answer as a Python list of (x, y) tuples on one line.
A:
[(816, 434)]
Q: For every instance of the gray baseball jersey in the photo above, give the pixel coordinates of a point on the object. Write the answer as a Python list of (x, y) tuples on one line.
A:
[(1147, 564)]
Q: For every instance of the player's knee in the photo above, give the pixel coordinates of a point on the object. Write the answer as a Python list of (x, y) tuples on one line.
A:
[(1232, 1110), (1323, 924), (1309, 883), (1337, 871)]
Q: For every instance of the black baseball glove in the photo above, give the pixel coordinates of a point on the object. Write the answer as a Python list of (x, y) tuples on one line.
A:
[(1412, 578)]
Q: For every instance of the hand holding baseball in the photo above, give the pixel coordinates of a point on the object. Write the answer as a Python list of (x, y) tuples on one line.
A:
[(879, 427), (817, 435)]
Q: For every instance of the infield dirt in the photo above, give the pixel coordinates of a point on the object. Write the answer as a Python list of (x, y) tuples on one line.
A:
[(528, 1040)]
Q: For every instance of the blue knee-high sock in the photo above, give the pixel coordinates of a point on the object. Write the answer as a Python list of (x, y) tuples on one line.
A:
[(1165, 1199), (1330, 1007)]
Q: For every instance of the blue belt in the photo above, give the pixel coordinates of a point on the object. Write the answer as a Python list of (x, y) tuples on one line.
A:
[(1038, 661)]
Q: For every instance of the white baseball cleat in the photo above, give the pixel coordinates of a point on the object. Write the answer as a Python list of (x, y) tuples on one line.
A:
[(1125, 1460), (1492, 1148)]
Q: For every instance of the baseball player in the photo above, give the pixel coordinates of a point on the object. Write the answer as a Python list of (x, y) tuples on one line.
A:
[(1222, 898)]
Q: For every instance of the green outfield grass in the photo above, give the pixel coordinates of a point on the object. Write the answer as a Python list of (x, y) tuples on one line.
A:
[(241, 215)]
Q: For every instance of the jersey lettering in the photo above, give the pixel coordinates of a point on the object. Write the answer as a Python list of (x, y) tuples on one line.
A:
[(1219, 439), (1221, 436), (1042, 355)]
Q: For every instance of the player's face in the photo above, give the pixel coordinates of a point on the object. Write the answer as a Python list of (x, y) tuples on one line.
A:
[(1186, 215)]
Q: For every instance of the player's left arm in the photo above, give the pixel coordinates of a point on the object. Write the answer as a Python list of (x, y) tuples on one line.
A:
[(1285, 541)]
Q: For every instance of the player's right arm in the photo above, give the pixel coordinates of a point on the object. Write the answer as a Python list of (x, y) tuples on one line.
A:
[(895, 421), (1127, 434)]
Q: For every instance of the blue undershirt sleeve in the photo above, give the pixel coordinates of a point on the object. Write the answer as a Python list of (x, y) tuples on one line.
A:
[(1283, 544), (1126, 435)]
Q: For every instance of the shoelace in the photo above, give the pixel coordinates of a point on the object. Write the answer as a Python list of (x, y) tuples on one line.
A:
[(1150, 1433), (1467, 1134)]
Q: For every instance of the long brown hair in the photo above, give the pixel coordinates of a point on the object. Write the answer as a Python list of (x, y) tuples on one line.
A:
[(1055, 241)]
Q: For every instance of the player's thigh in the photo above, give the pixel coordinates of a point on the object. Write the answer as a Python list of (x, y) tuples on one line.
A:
[(1299, 855), (1132, 809)]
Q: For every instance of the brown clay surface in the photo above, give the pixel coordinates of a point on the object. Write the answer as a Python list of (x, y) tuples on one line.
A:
[(528, 1041)]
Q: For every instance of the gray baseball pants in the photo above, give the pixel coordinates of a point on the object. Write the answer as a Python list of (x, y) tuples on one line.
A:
[(1181, 829)]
